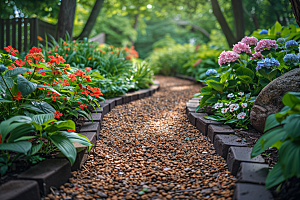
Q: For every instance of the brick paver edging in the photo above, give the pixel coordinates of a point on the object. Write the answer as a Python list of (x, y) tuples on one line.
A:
[(54, 172), (250, 173)]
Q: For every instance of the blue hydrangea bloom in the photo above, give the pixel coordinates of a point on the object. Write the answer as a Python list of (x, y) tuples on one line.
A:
[(211, 72), (267, 63), (2, 68), (263, 31), (291, 57), (280, 41), (291, 43)]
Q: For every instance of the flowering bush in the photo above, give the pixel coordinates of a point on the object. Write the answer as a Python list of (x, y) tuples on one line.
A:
[(234, 110), (249, 68)]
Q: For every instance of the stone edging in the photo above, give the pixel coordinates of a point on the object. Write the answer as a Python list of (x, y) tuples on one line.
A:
[(52, 173), (251, 173)]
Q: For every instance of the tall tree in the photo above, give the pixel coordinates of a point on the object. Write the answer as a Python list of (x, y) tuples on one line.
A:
[(91, 20), (296, 10), (66, 18)]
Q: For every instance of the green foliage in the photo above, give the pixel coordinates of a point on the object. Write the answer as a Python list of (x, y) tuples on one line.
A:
[(277, 31), (282, 131), (171, 59)]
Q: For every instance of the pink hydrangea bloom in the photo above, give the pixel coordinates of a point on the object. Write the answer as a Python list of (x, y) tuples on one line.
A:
[(265, 43), (250, 40), (241, 47), (257, 55), (227, 57)]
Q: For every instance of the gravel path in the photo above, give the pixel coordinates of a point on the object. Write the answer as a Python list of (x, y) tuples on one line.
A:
[(149, 150)]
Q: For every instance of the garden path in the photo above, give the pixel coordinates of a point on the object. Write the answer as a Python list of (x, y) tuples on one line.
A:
[(149, 150)]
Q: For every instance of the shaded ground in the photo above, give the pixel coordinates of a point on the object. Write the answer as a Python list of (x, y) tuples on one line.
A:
[(149, 150)]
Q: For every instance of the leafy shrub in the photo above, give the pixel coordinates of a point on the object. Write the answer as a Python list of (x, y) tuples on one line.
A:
[(171, 59), (282, 131)]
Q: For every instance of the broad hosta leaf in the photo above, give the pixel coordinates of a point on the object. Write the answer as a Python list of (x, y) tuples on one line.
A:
[(48, 88), (43, 106), (40, 119), (65, 146), (35, 148), (267, 140), (20, 131), (291, 99), (15, 71), (60, 125), (271, 122), (292, 127), (289, 154), (8, 125), (275, 176), (9, 82), (21, 146), (25, 87), (75, 137)]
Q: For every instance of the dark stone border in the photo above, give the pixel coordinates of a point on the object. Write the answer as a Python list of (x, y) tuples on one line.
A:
[(251, 173), (54, 172)]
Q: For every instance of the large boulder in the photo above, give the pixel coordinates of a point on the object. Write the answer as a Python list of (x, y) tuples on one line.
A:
[(269, 100)]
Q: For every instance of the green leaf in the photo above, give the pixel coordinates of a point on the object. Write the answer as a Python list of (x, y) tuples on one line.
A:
[(15, 71), (292, 126), (264, 82), (5, 100), (65, 146), (225, 76), (289, 154), (60, 125), (43, 106), (245, 79), (35, 149), (275, 176), (75, 137), (25, 87), (3, 169), (231, 121), (41, 118), (212, 118), (267, 140), (243, 71), (205, 90), (8, 125), (20, 131), (9, 82), (197, 95), (21, 146), (215, 85), (291, 99), (271, 122), (48, 88), (204, 99)]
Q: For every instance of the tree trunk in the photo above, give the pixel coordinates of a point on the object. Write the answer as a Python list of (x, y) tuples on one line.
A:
[(253, 16), (66, 18), (231, 40), (92, 20), (296, 10), (238, 15)]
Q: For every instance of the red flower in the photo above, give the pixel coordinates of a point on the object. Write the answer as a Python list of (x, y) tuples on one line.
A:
[(87, 69), (72, 78), (82, 105), (35, 50), (19, 62), (11, 50), (18, 96), (57, 114), (79, 73), (70, 130), (58, 59), (87, 78)]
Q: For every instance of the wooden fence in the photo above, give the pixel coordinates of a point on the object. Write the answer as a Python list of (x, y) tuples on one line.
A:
[(22, 33)]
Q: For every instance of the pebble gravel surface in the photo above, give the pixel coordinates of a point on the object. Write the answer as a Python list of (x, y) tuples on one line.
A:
[(149, 150)]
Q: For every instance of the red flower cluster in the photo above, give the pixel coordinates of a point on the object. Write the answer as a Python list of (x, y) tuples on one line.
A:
[(11, 50), (57, 114), (82, 105), (58, 59)]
